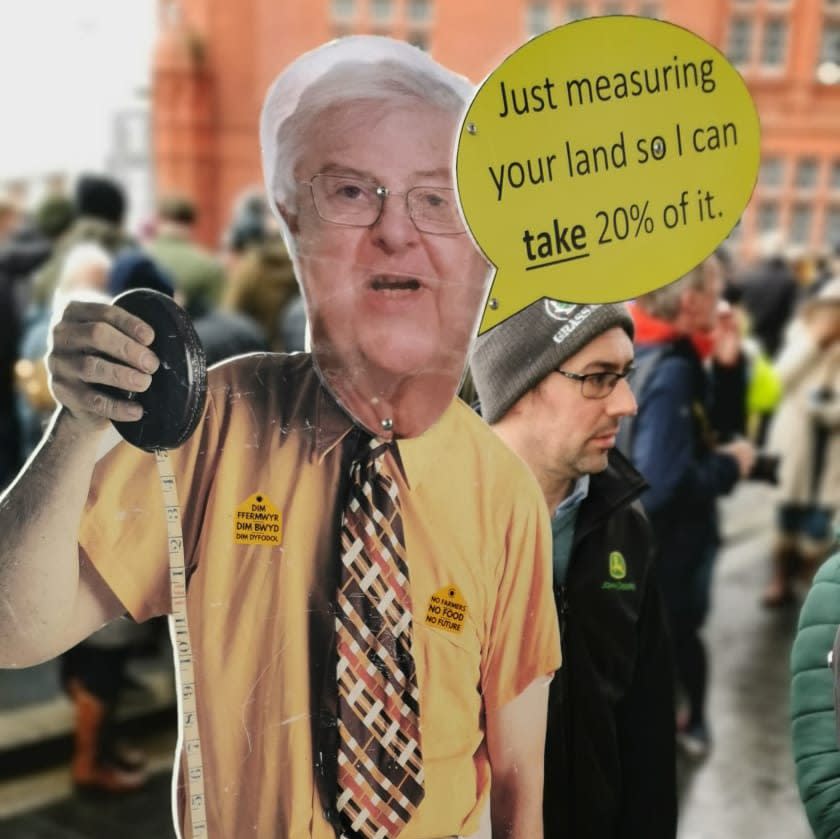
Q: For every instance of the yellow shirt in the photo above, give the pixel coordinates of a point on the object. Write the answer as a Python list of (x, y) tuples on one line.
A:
[(260, 614)]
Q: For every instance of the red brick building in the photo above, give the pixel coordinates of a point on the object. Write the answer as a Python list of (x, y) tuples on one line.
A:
[(215, 59)]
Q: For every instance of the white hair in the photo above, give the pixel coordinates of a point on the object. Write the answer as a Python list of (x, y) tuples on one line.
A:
[(361, 68), (85, 267), (83, 278)]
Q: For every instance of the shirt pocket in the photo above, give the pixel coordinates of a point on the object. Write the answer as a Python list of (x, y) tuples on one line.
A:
[(449, 679)]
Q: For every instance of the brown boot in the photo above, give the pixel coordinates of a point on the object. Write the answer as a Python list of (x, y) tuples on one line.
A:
[(786, 563), (86, 768)]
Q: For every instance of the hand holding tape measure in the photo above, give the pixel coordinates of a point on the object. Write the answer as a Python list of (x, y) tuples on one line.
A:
[(154, 387)]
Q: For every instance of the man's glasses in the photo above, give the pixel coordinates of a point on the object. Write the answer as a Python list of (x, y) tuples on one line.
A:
[(355, 202), (597, 385)]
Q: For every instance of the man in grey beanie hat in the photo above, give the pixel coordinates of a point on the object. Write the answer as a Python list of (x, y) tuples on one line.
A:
[(552, 383)]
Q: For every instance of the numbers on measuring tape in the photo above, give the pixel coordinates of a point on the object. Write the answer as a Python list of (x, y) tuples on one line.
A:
[(188, 734)]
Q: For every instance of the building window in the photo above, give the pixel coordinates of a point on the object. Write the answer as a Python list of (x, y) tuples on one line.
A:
[(774, 42), (537, 19), (343, 9), (806, 173), (834, 176), (419, 11), (800, 224), (740, 38), (830, 49), (650, 10), (832, 226), (575, 11), (768, 217), (613, 9), (771, 172), (381, 10)]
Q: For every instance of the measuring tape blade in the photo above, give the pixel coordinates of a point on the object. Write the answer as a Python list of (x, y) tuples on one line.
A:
[(189, 741)]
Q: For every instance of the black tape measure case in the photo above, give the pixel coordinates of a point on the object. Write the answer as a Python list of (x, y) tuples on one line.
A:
[(174, 402)]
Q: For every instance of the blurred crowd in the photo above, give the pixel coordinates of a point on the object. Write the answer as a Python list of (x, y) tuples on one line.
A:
[(241, 298), (764, 341)]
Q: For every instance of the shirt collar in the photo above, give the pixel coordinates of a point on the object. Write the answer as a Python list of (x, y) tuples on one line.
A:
[(428, 451), (332, 424), (575, 498), (418, 454)]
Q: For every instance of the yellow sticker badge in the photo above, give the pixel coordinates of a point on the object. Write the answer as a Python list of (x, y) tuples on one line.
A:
[(257, 522), (602, 160), (447, 610)]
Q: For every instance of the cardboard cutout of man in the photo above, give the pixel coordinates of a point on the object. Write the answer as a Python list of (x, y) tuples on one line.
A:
[(358, 165), (391, 281)]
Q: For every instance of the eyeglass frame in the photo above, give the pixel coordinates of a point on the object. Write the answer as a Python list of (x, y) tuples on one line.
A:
[(382, 192), (584, 377)]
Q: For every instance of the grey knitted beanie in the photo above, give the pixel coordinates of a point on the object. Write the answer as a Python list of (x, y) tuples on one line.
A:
[(520, 352)]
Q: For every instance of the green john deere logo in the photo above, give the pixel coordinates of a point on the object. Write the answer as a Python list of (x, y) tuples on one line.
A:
[(618, 567)]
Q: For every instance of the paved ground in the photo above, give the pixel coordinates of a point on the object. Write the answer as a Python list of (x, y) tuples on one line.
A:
[(744, 790), (141, 815)]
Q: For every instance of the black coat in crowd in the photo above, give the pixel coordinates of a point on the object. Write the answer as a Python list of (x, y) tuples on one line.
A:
[(610, 769)]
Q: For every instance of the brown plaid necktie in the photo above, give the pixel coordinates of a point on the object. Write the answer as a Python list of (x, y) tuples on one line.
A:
[(380, 767)]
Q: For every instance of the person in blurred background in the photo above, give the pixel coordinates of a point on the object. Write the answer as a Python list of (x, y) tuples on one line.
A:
[(10, 217), (223, 331), (806, 435), (826, 267), (99, 211), (83, 275), (770, 291), (261, 279), (684, 409), (198, 275), (94, 217), (30, 245), (23, 249), (200, 284)]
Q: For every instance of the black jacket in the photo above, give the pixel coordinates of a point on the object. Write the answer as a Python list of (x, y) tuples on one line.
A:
[(770, 296), (610, 748)]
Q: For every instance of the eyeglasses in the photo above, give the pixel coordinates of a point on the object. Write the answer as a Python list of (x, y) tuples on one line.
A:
[(354, 202), (598, 385)]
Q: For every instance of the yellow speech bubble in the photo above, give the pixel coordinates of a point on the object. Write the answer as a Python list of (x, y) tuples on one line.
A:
[(602, 160)]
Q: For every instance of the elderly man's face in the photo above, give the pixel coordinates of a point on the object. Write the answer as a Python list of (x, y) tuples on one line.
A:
[(387, 303)]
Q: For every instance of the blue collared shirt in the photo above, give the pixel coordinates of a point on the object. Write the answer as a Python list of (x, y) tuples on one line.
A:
[(563, 527)]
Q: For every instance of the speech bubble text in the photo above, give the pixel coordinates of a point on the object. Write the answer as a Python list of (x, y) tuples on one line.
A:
[(602, 160)]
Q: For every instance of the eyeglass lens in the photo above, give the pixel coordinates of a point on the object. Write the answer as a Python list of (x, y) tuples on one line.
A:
[(345, 200)]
